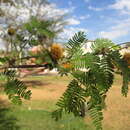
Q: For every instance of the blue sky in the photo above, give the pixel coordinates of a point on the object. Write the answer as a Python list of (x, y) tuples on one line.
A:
[(98, 18)]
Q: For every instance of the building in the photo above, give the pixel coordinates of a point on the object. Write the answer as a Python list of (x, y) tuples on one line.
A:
[(87, 46), (125, 48)]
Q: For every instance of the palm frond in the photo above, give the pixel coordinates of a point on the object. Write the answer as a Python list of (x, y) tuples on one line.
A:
[(72, 100), (100, 44), (87, 61), (123, 66), (97, 117), (14, 88), (105, 75), (75, 43)]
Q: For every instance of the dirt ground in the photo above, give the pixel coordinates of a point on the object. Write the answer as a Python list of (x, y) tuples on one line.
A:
[(51, 92)]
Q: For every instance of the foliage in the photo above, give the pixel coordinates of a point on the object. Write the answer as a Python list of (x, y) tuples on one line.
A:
[(127, 58), (93, 75), (100, 44), (7, 120), (42, 32), (39, 29), (123, 66), (13, 87)]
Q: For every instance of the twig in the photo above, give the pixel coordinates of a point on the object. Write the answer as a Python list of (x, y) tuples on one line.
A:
[(24, 66)]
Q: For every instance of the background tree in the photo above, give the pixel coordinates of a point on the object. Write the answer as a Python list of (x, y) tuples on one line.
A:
[(40, 12)]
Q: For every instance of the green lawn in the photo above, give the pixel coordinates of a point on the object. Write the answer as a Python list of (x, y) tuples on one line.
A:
[(41, 120), (36, 115)]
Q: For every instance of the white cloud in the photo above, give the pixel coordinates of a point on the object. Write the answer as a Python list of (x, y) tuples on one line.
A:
[(95, 8), (52, 10), (69, 32), (125, 12), (114, 34), (22, 12), (73, 21), (84, 17), (117, 31), (121, 4)]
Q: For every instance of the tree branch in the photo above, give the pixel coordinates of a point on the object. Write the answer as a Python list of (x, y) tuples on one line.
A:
[(27, 66), (23, 66)]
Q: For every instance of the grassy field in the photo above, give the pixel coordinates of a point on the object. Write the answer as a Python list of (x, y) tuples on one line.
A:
[(36, 113)]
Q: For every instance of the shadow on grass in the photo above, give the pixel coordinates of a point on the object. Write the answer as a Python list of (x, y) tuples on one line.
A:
[(35, 84), (7, 120)]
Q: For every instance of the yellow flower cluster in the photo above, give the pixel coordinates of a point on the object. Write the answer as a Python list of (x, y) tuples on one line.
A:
[(67, 65), (11, 31), (56, 51)]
